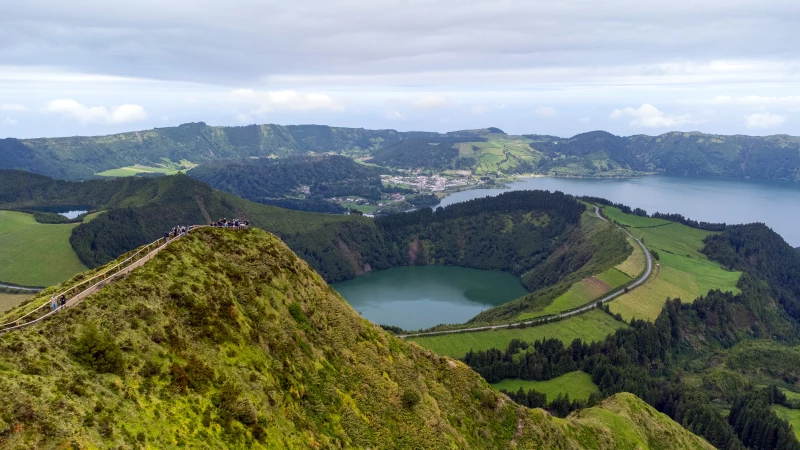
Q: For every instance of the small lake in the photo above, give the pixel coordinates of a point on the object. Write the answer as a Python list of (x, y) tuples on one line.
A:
[(419, 297), (68, 211), (709, 199)]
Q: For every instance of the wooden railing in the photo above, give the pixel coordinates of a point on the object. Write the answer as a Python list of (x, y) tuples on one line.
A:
[(76, 293)]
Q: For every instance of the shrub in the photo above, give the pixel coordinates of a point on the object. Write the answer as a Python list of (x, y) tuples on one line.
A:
[(409, 399), (98, 351)]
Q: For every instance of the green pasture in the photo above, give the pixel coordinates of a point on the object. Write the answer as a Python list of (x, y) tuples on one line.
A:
[(581, 293), (635, 264), (591, 326), (35, 254), (578, 385), (681, 271), (168, 168), (790, 415), (8, 301), (630, 220)]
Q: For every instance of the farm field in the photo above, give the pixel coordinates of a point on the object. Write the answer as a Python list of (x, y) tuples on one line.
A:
[(581, 293), (681, 271), (35, 254), (591, 326), (8, 301), (166, 169), (790, 415), (577, 384), (635, 264)]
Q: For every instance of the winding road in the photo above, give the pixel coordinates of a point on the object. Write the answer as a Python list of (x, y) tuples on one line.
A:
[(562, 315)]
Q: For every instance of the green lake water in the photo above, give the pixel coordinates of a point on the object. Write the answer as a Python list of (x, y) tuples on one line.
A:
[(423, 296)]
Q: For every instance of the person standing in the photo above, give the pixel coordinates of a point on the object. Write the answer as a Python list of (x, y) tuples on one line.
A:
[(53, 303), (63, 300)]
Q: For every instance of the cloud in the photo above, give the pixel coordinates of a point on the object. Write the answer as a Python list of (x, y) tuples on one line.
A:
[(9, 121), (432, 101), (758, 100), (649, 116), (479, 110), (545, 111), (13, 107), (270, 101), (585, 119), (97, 114), (764, 120), (395, 115)]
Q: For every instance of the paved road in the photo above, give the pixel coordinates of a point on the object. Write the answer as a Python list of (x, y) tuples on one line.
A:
[(580, 310), (20, 288)]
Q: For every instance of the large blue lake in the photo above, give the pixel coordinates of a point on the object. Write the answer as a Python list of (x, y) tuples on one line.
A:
[(726, 200)]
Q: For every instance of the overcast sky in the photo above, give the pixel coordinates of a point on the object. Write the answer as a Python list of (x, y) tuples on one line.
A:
[(556, 67)]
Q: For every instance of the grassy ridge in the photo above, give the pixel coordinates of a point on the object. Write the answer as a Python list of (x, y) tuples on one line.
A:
[(591, 326), (35, 254), (680, 272), (228, 340), (578, 385)]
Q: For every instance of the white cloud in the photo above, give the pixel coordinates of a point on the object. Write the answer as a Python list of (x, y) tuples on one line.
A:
[(270, 101), (479, 110), (585, 119), (13, 107), (9, 121), (648, 115), (432, 101), (97, 114), (764, 120), (395, 115), (545, 111)]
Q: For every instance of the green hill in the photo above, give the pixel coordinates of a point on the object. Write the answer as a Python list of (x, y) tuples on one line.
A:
[(484, 152), (228, 340)]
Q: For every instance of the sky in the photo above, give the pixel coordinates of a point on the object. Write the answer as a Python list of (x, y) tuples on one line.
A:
[(558, 67)]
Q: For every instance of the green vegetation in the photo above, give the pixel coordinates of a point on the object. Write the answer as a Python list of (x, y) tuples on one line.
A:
[(165, 168), (300, 182), (792, 416), (484, 151), (636, 262), (766, 357), (228, 340), (681, 270), (9, 300), (35, 254), (566, 279), (577, 384), (591, 326)]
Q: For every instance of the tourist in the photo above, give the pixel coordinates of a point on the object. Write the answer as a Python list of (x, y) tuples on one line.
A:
[(53, 303), (63, 300)]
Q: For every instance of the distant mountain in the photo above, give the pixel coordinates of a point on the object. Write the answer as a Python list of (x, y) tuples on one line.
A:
[(483, 151), (676, 153), (229, 340)]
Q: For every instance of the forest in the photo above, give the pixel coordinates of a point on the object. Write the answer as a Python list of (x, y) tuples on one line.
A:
[(271, 181)]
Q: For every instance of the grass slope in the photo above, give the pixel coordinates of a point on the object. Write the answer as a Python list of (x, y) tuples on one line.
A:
[(635, 264), (591, 326), (681, 271), (35, 254), (228, 340), (790, 415), (577, 384)]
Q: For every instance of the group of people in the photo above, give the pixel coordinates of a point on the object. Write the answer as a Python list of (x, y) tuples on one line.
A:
[(234, 223), (57, 302), (176, 231)]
